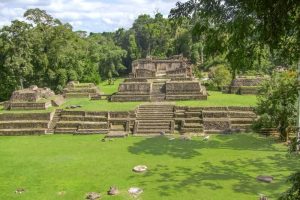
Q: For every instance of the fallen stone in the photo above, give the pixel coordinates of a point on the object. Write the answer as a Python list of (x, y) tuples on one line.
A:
[(113, 191), (20, 190), (140, 168), (162, 133), (135, 191), (93, 196), (266, 179)]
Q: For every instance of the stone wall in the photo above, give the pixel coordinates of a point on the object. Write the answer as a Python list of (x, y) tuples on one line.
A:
[(244, 85), (185, 90)]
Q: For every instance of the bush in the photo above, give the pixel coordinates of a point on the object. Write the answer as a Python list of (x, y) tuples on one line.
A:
[(277, 103), (220, 76)]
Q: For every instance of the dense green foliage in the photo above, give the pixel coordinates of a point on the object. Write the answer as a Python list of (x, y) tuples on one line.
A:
[(277, 103), (46, 52), (293, 193)]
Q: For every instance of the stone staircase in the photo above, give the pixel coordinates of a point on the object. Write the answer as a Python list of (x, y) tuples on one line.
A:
[(158, 92), (81, 122), (152, 119), (241, 119), (53, 122), (192, 122)]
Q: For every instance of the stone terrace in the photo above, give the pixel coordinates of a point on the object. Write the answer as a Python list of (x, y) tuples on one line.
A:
[(148, 119), (74, 89)]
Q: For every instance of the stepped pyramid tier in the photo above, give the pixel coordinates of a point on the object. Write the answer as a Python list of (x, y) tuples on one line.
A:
[(160, 80), (33, 98), (245, 85), (74, 89)]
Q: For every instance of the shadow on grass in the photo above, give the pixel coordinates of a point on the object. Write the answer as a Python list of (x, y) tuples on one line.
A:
[(184, 149), (239, 174), (187, 149)]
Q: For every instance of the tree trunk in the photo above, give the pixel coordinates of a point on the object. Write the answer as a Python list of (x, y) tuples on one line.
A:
[(202, 57), (298, 113)]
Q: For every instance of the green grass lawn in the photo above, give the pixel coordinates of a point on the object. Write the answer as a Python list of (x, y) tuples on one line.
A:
[(223, 168), (109, 89)]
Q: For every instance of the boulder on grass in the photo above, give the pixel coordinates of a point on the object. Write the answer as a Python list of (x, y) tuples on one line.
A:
[(135, 191), (93, 196), (113, 191), (140, 168), (266, 179)]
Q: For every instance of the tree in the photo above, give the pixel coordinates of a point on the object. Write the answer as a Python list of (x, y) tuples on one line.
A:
[(293, 193), (277, 102)]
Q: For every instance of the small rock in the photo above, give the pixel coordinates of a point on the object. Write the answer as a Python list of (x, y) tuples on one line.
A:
[(266, 179), (135, 191), (206, 138), (172, 139), (162, 133), (140, 168), (20, 190), (113, 191), (93, 196)]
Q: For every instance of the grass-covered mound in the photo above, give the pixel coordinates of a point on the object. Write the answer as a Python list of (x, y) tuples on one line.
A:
[(225, 167)]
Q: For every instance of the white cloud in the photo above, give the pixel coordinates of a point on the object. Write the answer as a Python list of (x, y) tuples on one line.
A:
[(88, 15)]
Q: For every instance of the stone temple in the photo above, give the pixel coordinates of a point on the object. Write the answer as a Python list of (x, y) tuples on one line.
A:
[(160, 80), (33, 98)]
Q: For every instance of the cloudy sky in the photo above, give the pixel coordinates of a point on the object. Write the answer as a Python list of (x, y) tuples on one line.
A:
[(88, 15)]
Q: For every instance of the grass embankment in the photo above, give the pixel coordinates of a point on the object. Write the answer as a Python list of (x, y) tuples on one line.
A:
[(223, 168)]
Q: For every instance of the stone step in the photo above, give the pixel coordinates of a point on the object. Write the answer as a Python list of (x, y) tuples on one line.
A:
[(31, 131), (153, 123), (154, 115), (83, 118), (193, 125), (153, 128), (152, 131), (147, 125), (193, 120), (23, 124), (240, 126), (191, 130), (242, 121), (65, 130), (116, 134), (91, 131)]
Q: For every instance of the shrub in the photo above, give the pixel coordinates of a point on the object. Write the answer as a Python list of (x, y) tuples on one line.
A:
[(220, 77), (277, 103)]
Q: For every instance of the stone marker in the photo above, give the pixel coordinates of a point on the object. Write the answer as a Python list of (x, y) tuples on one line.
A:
[(135, 191), (93, 196), (113, 191), (266, 179), (140, 168)]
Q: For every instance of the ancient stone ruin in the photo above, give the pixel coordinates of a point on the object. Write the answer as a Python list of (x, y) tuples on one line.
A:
[(33, 98), (74, 89), (159, 80), (244, 85), (147, 119)]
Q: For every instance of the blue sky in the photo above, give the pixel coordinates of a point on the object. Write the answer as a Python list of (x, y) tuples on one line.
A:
[(87, 15)]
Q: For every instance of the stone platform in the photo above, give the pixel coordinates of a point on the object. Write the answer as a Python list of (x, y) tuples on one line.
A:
[(74, 89)]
